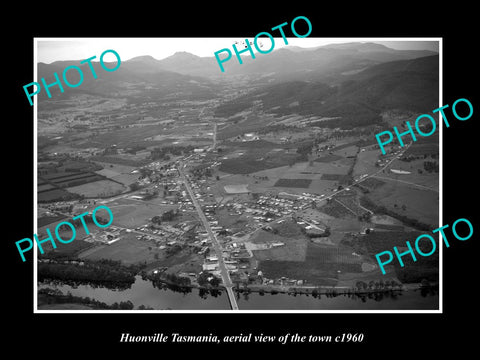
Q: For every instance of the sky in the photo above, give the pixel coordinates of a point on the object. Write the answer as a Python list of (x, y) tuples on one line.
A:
[(57, 49)]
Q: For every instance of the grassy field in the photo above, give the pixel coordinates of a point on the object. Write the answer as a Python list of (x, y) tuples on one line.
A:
[(72, 249), (45, 187), (98, 189), (116, 159), (252, 123), (251, 163), (422, 177), (327, 158), (128, 249), (423, 147), (236, 189), (124, 137), (118, 172), (65, 179), (366, 162), (294, 249), (337, 210), (420, 204), (298, 171), (322, 186), (131, 213), (322, 265), (333, 177), (345, 151), (234, 223), (53, 195), (424, 267), (372, 183), (385, 220), (295, 183), (45, 220)]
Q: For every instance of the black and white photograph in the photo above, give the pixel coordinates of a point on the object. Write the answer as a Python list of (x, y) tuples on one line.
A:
[(208, 180)]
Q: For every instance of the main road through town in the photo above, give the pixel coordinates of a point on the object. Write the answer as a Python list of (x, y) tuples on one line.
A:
[(227, 282)]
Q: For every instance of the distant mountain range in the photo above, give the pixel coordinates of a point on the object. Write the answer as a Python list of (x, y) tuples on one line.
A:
[(286, 63), (332, 80), (293, 62), (141, 77)]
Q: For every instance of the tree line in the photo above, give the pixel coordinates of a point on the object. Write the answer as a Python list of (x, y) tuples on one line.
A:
[(108, 273), (162, 153), (55, 296)]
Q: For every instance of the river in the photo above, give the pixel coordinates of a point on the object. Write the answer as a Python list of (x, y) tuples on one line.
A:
[(143, 293)]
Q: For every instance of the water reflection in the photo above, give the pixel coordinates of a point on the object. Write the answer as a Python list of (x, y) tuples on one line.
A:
[(160, 296)]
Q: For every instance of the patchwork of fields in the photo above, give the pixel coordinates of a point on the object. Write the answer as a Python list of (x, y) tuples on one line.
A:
[(58, 186), (321, 266)]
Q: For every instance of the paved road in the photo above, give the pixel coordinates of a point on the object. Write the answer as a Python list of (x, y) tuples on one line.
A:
[(227, 282)]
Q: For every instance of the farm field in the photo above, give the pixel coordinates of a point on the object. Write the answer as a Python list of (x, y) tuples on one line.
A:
[(45, 187), (366, 162), (233, 179), (304, 170), (72, 249), (294, 183), (118, 172), (118, 159), (45, 220), (53, 195), (338, 209), (345, 151), (322, 265), (65, 179), (127, 136), (247, 164), (131, 213), (420, 204), (385, 220), (376, 242), (128, 249), (300, 173), (332, 177), (236, 189), (428, 146), (252, 123), (427, 180), (293, 250), (100, 188), (327, 158)]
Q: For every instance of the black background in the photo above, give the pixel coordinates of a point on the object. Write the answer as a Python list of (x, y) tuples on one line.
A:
[(385, 334)]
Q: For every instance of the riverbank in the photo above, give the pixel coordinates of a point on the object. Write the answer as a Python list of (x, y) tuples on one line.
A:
[(146, 296), (303, 289)]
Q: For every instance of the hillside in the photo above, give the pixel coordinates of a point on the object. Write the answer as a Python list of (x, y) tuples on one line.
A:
[(140, 76), (358, 99)]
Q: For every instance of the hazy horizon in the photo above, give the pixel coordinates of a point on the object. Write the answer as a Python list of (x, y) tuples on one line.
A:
[(50, 50)]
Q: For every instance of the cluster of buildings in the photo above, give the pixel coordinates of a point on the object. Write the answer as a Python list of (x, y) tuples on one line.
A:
[(161, 230), (235, 256), (268, 207), (107, 237), (61, 206)]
